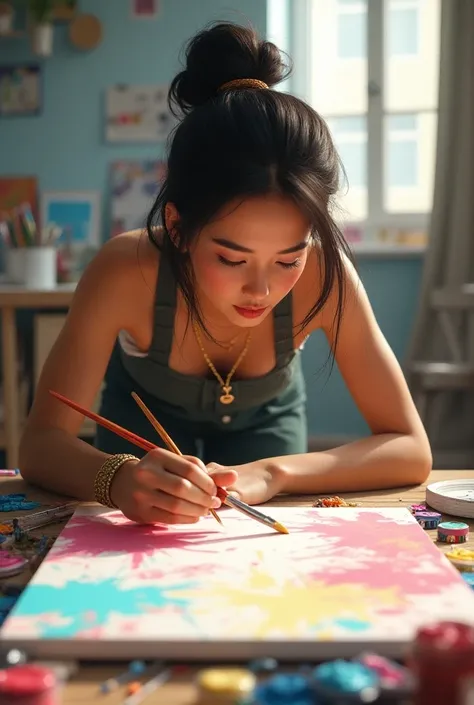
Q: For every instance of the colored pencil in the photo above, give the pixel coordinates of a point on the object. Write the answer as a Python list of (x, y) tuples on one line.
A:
[(225, 497), (115, 428), (164, 437)]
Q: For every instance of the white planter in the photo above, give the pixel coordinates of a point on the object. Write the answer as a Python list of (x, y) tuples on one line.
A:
[(42, 39)]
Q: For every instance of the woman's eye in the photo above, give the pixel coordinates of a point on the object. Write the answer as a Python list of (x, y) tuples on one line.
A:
[(290, 265), (229, 262)]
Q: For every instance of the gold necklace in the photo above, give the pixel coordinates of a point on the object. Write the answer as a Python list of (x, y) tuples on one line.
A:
[(226, 397)]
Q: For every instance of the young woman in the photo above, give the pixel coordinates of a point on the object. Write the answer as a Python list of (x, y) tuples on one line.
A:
[(204, 316)]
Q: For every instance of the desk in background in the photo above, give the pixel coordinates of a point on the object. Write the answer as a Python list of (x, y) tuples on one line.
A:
[(12, 298)]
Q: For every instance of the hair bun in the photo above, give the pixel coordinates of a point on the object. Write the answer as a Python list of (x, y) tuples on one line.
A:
[(222, 53)]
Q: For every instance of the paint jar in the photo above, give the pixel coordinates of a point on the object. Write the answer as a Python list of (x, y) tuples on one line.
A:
[(40, 268), (462, 559), (345, 683), (453, 532), (442, 661), (11, 564), (285, 689), (428, 520), (28, 685), (225, 686)]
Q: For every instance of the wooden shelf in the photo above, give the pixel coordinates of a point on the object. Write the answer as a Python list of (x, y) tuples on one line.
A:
[(12, 35)]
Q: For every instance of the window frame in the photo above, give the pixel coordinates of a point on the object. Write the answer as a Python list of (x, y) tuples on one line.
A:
[(288, 24)]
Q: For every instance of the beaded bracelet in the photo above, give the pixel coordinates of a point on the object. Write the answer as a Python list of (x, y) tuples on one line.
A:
[(105, 475)]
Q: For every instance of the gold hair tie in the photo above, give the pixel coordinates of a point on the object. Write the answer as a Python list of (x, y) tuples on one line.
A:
[(237, 83)]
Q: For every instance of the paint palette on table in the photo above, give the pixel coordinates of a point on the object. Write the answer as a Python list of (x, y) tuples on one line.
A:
[(342, 581)]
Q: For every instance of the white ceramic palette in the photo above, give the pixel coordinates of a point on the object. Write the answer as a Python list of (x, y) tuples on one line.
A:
[(455, 497)]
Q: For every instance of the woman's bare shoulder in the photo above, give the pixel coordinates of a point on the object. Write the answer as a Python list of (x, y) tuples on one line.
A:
[(131, 255)]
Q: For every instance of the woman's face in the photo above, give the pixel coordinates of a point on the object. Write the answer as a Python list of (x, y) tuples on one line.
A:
[(246, 260)]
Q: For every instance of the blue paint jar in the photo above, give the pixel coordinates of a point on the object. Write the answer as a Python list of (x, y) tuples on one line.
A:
[(285, 689), (345, 683)]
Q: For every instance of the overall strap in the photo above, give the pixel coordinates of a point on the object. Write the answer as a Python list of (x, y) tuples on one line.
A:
[(283, 330), (164, 313)]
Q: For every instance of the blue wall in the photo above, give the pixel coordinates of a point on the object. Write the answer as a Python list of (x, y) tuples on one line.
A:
[(64, 147)]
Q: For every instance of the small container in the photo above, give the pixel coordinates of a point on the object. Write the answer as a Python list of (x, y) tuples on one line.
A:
[(40, 268), (225, 686), (28, 685), (442, 661), (11, 564), (428, 520), (284, 689), (453, 532), (345, 683), (462, 559), (469, 578)]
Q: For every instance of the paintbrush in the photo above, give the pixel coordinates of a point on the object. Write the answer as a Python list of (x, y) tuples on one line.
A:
[(115, 428), (223, 495), (164, 436)]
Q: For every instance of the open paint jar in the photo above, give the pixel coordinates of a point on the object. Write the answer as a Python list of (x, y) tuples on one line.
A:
[(28, 685), (11, 564), (462, 559)]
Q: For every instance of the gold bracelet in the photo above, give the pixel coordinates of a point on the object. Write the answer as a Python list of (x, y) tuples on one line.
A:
[(105, 475)]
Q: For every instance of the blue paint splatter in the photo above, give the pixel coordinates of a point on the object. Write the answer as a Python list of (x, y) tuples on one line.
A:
[(76, 599), (352, 625)]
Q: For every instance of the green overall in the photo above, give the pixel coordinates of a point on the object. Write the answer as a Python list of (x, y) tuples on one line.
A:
[(266, 419)]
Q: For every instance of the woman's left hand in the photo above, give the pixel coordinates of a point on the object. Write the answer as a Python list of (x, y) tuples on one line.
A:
[(256, 482)]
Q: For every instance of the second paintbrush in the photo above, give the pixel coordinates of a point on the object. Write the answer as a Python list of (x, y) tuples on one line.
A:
[(249, 511)]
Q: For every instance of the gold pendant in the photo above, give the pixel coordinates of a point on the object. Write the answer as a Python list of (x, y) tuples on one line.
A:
[(226, 398)]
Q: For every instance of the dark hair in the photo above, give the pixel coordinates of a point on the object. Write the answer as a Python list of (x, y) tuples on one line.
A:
[(244, 142)]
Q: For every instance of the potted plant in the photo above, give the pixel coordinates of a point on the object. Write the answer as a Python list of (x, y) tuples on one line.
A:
[(40, 18)]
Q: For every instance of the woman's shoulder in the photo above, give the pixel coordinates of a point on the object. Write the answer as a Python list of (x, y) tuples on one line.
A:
[(130, 257)]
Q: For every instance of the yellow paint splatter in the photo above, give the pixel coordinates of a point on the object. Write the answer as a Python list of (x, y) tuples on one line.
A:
[(290, 606)]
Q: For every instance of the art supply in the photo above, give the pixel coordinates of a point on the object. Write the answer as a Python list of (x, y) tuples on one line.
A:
[(9, 473), (135, 668), (454, 497), (11, 564), (340, 583), (28, 685), (149, 687), (15, 502), (41, 268), (427, 520), (249, 511), (164, 437), (345, 682), (462, 559), (115, 428), (47, 516), (442, 661), (224, 686), (453, 532), (418, 508), (333, 502), (284, 689), (227, 499)]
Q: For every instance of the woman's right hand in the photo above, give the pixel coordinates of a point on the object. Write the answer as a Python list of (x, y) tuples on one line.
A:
[(166, 488)]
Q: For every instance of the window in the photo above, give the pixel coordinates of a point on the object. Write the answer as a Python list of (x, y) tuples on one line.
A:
[(370, 68)]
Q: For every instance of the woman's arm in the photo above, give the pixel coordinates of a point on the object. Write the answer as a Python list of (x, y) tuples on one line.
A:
[(398, 452), (50, 453)]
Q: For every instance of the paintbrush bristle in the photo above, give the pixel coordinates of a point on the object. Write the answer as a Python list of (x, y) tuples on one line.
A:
[(279, 527)]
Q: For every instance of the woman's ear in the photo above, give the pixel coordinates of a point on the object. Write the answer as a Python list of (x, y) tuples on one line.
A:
[(171, 222)]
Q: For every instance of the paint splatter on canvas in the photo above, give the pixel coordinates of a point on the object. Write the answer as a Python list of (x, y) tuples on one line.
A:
[(355, 576)]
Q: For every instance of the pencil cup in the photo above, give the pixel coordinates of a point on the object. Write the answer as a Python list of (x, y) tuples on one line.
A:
[(40, 267), (15, 265)]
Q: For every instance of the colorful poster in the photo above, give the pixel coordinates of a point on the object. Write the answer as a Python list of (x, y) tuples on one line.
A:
[(138, 114), (134, 187)]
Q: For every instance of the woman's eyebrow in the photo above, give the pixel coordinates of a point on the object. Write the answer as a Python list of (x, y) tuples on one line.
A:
[(231, 245)]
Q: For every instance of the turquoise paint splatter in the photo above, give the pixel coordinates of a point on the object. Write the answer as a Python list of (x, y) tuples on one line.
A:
[(353, 625), (76, 600)]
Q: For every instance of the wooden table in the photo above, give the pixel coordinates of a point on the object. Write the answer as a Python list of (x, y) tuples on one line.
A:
[(13, 297), (83, 687)]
